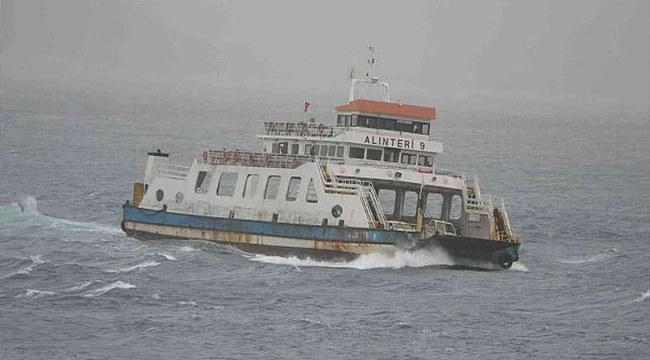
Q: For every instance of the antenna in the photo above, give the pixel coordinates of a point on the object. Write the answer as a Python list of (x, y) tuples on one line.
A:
[(370, 78), (371, 63)]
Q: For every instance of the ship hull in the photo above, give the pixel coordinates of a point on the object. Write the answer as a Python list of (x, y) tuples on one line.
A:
[(476, 250), (331, 243)]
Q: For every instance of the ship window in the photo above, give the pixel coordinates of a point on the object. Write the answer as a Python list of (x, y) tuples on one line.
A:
[(339, 151), (250, 188), (433, 208), (331, 152), (387, 200), (340, 120), (425, 129), (293, 189), (354, 120), (202, 182), (294, 148), (373, 154), (323, 150), (409, 159), (387, 124), (425, 160), (417, 127), (312, 195), (315, 149), (272, 186), (391, 155), (403, 126), (357, 153), (275, 148), (307, 149), (227, 183), (410, 203), (456, 207), (283, 147)]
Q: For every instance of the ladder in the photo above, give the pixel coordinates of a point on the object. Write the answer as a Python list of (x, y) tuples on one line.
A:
[(364, 189)]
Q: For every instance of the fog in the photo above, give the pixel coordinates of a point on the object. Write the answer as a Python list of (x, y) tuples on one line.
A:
[(591, 50)]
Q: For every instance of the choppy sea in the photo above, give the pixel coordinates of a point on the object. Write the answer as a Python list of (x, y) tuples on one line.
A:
[(73, 286)]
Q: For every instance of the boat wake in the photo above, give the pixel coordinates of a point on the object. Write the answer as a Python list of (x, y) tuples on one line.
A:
[(24, 213), (400, 259)]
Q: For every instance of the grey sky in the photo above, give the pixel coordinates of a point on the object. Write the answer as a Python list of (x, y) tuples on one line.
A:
[(578, 48)]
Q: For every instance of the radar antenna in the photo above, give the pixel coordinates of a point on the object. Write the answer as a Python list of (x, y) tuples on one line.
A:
[(370, 78)]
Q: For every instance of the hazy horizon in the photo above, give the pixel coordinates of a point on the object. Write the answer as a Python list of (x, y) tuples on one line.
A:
[(585, 50)]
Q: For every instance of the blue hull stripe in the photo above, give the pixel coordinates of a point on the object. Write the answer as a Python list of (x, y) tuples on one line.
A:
[(295, 231)]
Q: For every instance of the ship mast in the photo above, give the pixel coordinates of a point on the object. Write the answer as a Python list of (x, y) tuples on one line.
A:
[(370, 79)]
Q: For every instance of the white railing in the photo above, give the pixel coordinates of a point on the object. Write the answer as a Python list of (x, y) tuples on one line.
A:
[(364, 189), (301, 129), (236, 157)]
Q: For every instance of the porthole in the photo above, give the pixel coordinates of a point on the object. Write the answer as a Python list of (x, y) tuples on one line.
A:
[(337, 210), (179, 197), (159, 195)]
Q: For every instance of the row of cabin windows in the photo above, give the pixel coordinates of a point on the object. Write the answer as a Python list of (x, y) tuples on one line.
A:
[(374, 122), (432, 205), (391, 155), (315, 150), (228, 183), (387, 154)]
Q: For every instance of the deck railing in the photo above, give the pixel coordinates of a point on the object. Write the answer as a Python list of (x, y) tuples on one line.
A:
[(236, 157), (300, 129)]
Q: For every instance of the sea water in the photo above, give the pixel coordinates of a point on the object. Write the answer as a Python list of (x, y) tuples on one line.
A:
[(72, 285)]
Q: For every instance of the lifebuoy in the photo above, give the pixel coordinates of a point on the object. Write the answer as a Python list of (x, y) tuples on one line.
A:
[(205, 157)]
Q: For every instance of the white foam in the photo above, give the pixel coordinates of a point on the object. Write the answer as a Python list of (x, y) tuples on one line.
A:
[(643, 297), (140, 266), (116, 285), (35, 294), (80, 286), (187, 248), (399, 260), (518, 266), (591, 258), (167, 256), (27, 208), (36, 260)]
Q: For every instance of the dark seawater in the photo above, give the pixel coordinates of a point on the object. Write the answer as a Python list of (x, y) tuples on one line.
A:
[(72, 285)]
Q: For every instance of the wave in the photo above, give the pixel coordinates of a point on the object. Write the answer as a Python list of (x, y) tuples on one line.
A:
[(167, 256), (36, 260), (25, 213), (603, 255), (400, 259), (642, 297), (35, 294), (115, 285), (79, 286), (140, 266)]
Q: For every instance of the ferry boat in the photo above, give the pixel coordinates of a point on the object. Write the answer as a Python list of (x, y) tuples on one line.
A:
[(367, 183)]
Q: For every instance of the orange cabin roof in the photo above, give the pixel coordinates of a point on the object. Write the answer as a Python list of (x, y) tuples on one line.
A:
[(389, 108)]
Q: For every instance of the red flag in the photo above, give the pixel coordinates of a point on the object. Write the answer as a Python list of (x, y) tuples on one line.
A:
[(307, 103)]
